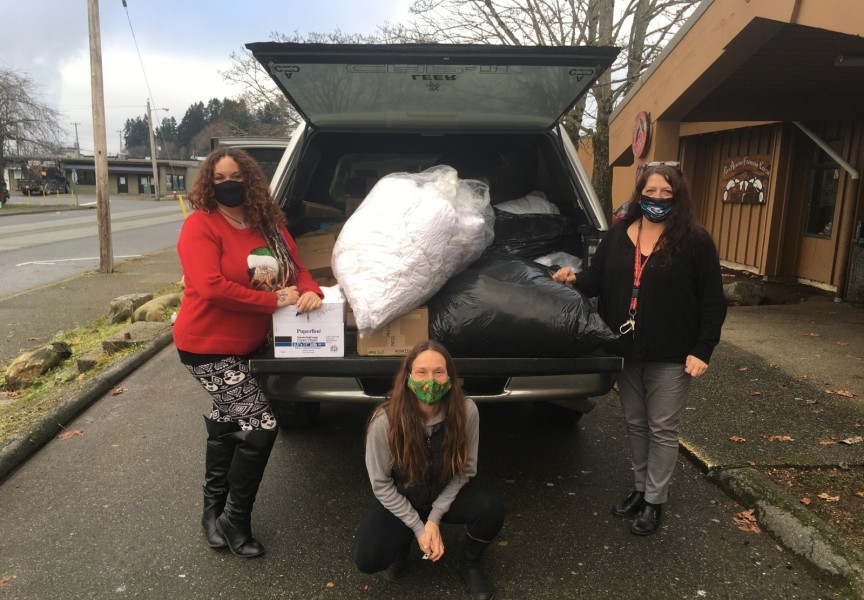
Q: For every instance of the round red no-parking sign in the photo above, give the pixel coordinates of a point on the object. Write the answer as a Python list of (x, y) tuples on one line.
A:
[(641, 134)]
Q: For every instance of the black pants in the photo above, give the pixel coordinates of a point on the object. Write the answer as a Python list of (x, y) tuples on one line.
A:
[(382, 535)]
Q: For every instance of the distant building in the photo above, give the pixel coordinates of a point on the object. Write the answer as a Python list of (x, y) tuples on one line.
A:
[(125, 176)]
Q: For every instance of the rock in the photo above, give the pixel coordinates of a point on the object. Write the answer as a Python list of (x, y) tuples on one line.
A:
[(122, 307), (137, 333), (744, 292), (24, 370), (89, 360), (156, 309)]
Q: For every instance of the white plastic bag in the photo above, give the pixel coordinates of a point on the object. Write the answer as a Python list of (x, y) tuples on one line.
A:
[(533, 203), (561, 259), (408, 237)]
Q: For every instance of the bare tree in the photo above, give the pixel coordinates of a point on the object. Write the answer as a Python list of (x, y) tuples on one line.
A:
[(259, 91), (640, 27), (27, 126)]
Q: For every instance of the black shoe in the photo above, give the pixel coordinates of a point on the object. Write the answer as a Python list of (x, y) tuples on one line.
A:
[(630, 505), (244, 477), (648, 519), (208, 523), (398, 565), (220, 452), (471, 569), (238, 536)]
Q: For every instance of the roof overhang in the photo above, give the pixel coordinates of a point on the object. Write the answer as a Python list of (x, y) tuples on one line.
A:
[(753, 61)]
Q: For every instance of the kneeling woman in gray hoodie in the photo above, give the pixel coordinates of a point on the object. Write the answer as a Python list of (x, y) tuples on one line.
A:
[(421, 456)]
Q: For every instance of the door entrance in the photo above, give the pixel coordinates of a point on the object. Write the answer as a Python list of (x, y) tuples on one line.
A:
[(144, 184), (122, 184)]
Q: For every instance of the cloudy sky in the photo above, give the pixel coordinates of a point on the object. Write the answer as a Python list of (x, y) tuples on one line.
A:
[(183, 44)]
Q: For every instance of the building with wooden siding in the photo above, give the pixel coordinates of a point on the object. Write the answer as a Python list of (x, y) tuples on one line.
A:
[(763, 104)]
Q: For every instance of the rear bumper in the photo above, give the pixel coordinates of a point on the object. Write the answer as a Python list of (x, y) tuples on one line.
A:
[(563, 381), (386, 366)]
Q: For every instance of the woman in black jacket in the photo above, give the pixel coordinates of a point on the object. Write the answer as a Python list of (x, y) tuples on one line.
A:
[(658, 278)]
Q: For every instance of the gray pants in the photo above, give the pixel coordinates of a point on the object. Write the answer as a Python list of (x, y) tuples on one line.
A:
[(653, 396)]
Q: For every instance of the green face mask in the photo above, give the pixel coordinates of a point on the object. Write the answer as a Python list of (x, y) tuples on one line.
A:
[(429, 391)]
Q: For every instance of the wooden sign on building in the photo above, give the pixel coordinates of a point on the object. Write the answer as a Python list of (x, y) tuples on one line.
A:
[(745, 179)]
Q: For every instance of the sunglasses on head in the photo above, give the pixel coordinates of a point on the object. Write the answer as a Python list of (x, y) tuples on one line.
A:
[(669, 163)]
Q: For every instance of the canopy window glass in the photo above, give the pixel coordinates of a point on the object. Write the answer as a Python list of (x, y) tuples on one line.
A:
[(822, 199), (432, 87)]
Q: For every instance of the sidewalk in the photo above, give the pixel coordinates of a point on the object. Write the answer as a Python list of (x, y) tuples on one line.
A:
[(32, 318), (774, 397), (776, 372)]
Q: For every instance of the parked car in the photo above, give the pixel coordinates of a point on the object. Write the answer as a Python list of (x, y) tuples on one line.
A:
[(371, 110)]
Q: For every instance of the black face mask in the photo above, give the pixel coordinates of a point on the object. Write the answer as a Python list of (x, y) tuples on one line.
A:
[(230, 193)]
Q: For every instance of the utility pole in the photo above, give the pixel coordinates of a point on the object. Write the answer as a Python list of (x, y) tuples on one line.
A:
[(120, 138), (100, 143), (77, 145), (153, 151)]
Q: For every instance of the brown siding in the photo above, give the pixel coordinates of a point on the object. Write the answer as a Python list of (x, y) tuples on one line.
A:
[(737, 229)]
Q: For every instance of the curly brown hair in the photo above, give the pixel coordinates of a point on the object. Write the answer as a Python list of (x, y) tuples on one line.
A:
[(407, 435), (260, 210)]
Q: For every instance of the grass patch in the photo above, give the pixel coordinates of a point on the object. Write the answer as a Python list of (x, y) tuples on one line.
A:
[(47, 392)]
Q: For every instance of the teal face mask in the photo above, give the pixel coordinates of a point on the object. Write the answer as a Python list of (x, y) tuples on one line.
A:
[(429, 391)]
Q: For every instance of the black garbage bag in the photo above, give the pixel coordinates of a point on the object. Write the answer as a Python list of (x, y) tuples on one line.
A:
[(531, 235), (506, 306)]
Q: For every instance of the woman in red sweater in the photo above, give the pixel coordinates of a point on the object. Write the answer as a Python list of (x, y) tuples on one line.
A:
[(240, 264)]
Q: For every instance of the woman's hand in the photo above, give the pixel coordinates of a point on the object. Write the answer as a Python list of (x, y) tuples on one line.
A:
[(431, 543), (308, 302), (287, 296), (564, 275), (694, 366)]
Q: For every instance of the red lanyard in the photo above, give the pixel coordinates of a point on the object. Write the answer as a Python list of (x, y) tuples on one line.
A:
[(638, 267)]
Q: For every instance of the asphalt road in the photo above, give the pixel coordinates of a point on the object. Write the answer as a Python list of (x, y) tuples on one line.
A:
[(38, 249), (114, 511)]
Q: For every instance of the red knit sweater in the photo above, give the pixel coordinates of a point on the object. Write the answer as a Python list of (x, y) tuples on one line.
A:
[(221, 312)]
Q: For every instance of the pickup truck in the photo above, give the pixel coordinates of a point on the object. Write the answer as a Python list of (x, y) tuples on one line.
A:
[(371, 110)]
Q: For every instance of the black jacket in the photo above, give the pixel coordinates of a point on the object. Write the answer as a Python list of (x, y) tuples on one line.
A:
[(681, 305)]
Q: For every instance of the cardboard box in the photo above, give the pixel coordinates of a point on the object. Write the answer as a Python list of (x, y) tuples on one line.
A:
[(397, 337), (332, 310), (315, 209), (313, 340), (326, 281), (352, 203), (350, 321), (315, 252), (316, 334)]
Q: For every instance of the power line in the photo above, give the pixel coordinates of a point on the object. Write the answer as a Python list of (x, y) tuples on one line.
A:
[(149, 92)]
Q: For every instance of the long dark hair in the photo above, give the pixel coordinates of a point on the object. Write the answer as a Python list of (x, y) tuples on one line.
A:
[(260, 210), (680, 224), (407, 435)]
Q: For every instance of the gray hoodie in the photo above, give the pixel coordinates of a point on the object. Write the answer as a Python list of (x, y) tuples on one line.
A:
[(378, 465)]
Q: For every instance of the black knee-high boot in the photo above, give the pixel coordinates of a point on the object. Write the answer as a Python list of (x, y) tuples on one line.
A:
[(471, 568), (244, 477), (217, 462)]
